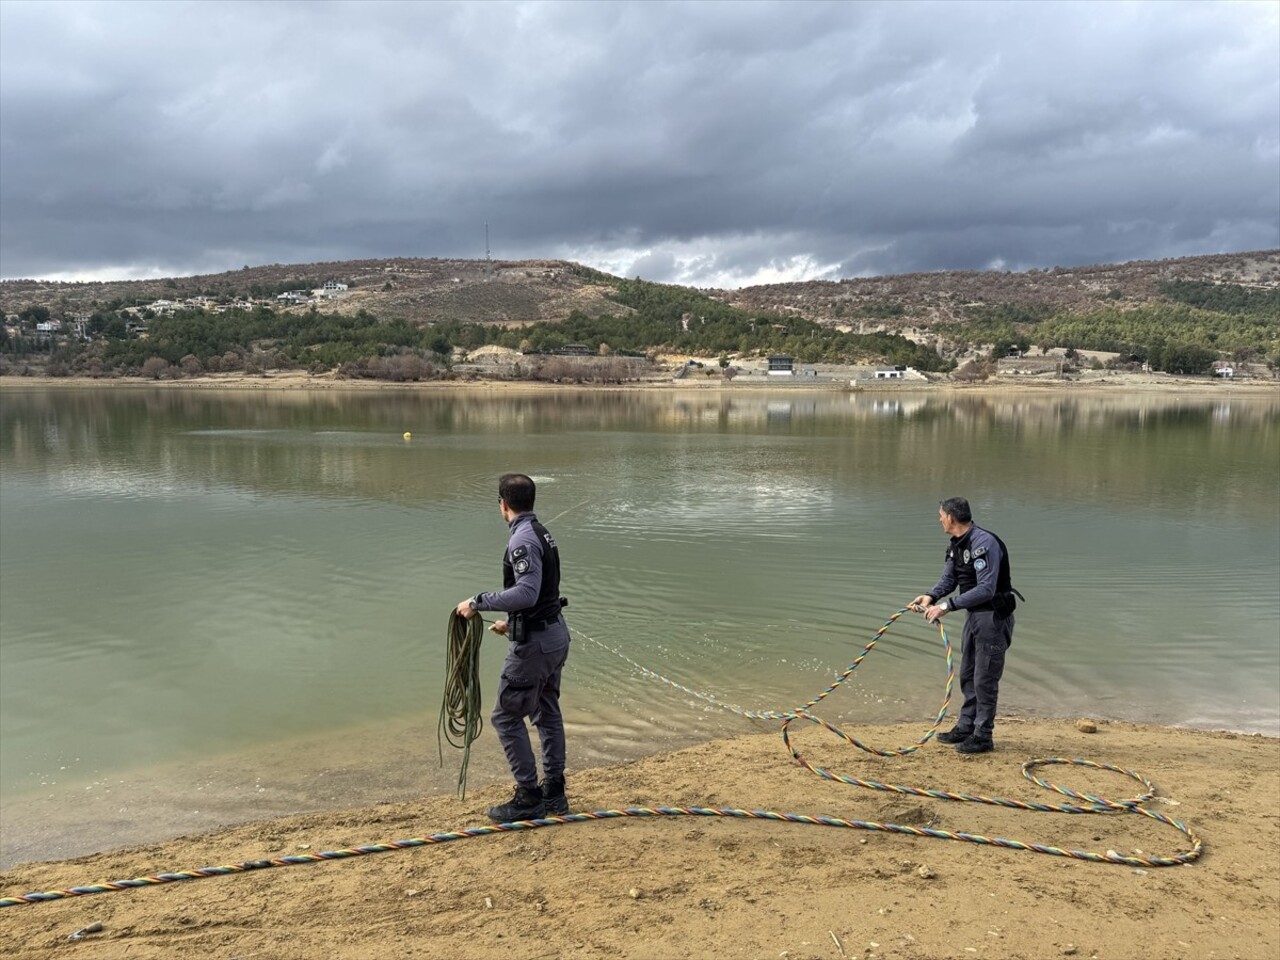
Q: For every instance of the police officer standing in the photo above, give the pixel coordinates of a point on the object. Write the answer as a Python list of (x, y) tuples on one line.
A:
[(977, 563), (537, 648)]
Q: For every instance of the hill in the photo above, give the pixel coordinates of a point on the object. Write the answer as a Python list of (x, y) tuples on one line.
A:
[(919, 301), (527, 291), (405, 288), (410, 318)]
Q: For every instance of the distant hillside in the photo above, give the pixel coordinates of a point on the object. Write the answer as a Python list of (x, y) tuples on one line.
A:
[(410, 318), (518, 292), (405, 288), (919, 301)]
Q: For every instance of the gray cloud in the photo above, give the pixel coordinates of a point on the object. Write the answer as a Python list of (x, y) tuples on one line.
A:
[(704, 143)]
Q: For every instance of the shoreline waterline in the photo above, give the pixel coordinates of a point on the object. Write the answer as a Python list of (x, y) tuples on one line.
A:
[(323, 774), (300, 380)]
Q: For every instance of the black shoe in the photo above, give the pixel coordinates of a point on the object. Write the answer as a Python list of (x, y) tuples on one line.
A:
[(525, 804), (954, 735), (553, 796), (975, 745)]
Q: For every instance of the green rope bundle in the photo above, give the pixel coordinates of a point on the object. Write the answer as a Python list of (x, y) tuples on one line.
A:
[(460, 721)]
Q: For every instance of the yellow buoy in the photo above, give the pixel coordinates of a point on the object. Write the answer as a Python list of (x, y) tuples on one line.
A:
[(408, 435)]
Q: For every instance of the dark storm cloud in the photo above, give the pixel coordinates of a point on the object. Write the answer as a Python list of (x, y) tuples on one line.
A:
[(704, 143)]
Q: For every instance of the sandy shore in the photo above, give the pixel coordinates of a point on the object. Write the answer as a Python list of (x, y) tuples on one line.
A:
[(721, 887)]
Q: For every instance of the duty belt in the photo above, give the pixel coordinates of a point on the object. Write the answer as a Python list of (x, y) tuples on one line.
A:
[(539, 624), (523, 623)]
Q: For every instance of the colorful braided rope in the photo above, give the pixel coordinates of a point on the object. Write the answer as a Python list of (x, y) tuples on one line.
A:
[(1089, 804)]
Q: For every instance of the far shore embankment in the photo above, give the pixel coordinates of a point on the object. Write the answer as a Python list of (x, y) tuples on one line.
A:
[(1091, 384)]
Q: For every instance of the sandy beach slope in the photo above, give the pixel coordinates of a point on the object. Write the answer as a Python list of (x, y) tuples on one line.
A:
[(718, 887)]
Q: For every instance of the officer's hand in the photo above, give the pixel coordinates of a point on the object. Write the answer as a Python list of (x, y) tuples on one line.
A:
[(920, 602), (499, 627), (934, 613), (465, 609)]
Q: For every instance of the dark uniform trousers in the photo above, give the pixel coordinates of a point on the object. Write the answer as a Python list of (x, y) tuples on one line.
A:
[(986, 638), (530, 687)]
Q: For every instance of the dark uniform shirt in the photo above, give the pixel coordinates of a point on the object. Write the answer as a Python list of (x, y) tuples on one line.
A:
[(974, 563), (531, 572)]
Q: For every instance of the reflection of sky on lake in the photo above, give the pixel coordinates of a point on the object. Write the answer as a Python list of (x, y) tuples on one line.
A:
[(718, 504), (114, 482)]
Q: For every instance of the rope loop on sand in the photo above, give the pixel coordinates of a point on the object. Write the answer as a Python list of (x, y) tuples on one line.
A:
[(1089, 803)]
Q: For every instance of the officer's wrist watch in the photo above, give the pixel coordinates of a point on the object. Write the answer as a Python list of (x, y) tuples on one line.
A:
[(945, 605), (472, 603)]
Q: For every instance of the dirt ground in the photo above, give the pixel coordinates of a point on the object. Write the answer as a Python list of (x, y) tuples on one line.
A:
[(718, 887)]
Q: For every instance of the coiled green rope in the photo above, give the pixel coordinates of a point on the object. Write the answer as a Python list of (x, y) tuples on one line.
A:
[(460, 721)]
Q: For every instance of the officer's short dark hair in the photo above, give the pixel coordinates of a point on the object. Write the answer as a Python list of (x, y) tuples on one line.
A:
[(957, 507), (518, 491)]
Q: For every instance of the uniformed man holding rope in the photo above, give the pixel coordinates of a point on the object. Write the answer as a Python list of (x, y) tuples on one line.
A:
[(977, 563), (538, 646)]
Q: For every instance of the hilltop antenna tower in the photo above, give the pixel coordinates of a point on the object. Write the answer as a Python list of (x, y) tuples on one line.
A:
[(488, 260)]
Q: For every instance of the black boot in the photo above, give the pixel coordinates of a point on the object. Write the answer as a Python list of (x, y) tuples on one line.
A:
[(553, 796), (525, 804), (954, 735)]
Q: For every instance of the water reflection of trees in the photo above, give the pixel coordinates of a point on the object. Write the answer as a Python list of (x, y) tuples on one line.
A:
[(1148, 449)]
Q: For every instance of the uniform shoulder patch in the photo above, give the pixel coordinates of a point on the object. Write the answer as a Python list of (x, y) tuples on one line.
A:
[(520, 558)]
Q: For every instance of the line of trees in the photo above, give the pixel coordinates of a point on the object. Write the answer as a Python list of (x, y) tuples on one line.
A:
[(1178, 337), (1223, 297)]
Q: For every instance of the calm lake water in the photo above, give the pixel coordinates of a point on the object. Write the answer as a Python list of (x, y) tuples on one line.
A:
[(218, 606)]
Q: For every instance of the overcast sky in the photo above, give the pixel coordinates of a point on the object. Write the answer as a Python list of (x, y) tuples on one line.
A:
[(710, 144)]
